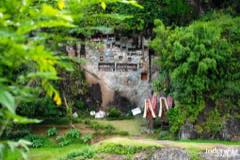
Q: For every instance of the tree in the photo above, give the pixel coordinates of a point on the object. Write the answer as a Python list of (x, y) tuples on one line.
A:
[(26, 65), (29, 56), (171, 12), (199, 65)]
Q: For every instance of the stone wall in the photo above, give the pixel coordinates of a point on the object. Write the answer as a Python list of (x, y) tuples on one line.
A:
[(119, 65)]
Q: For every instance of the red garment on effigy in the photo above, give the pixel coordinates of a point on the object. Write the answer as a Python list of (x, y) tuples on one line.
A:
[(154, 103), (169, 101)]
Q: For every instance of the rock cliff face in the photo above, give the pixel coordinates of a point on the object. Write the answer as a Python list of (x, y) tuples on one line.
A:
[(224, 153), (231, 130), (121, 69), (221, 153)]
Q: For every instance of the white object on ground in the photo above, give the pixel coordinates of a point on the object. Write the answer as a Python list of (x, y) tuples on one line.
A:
[(92, 113), (75, 115), (136, 111), (100, 114)]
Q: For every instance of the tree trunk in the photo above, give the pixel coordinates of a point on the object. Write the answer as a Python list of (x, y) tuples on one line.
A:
[(69, 111)]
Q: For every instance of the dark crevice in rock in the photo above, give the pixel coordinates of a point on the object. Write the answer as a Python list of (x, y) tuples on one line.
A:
[(122, 103)]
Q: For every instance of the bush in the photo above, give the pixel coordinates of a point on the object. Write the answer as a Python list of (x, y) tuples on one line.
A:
[(41, 107), (165, 135), (86, 153), (119, 149), (87, 138), (103, 129), (63, 141), (108, 129), (52, 132), (122, 133), (56, 121), (114, 113), (37, 141), (212, 126), (87, 122), (200, 68), (77, 120), (73, 134), (14, 131), (95, 125), (80, 105)]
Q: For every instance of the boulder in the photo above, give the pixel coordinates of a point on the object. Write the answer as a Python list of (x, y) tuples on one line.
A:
[(231, 130), (187, 131), (142, 155), (170, 154), (221, 153)]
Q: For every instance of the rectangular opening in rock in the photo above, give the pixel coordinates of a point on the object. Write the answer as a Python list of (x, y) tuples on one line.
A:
[(144, 76), (106, 67)]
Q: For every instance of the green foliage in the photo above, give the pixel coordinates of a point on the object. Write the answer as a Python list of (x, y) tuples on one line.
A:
[(114, 113), (94, 125), (26, 65), (108, 130), (43, 108), (31, 33), (95, 17), (100, 128), (120, 149), (15, 131), (8, 149), (86, 153), (63, 141), (73, 87), (176, 118), (212, 125), (87, 138), (195, 155), (37, 141), (25, 59), (57, 121), (214, 122), (169, 11), (122, 133), (165, 135), (52, 132), (80, 105), (73, 134), (200, 64)]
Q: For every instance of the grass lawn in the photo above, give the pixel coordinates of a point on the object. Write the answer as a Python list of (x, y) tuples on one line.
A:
[(192, 146), (135, 138), (47, 153), (131, 142), (132, 126), (53, 153), (214, 142), (187, 144)]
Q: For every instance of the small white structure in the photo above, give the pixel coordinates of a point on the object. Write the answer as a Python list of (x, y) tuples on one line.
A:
[(92, 113), (100, 114), (136, 111), (75, 115)]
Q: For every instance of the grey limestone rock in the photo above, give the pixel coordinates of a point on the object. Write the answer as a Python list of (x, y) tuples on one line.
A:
[(170, 154)]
